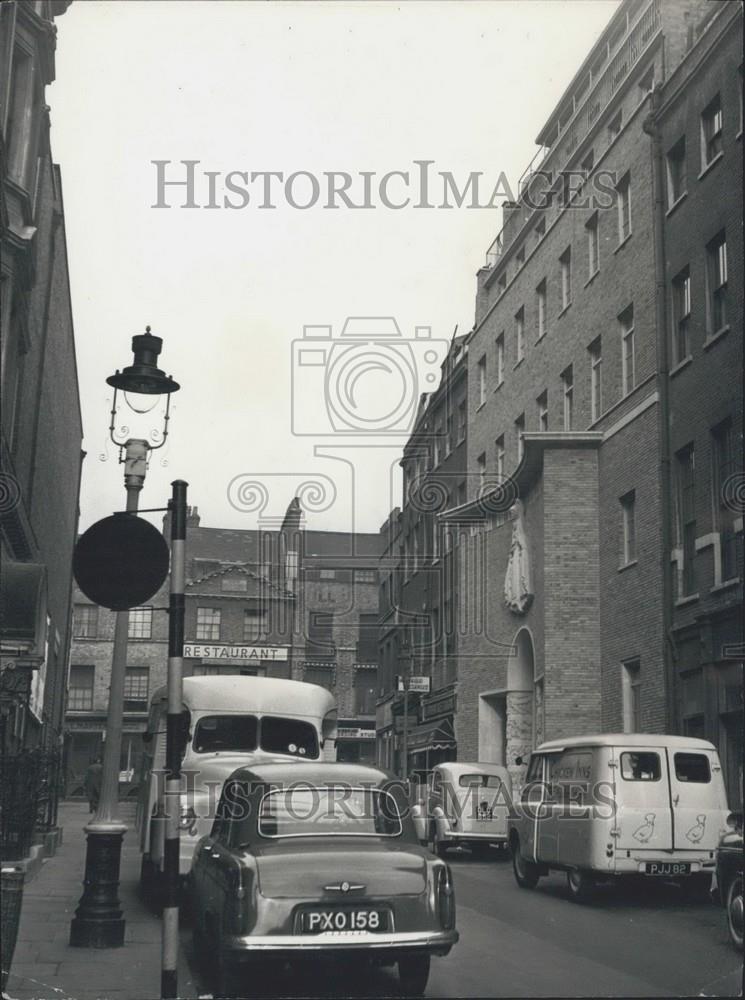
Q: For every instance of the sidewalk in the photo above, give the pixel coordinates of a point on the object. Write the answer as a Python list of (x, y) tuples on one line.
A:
[(45, 967)]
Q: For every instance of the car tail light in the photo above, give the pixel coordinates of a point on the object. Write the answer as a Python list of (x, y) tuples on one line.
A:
[(446, 898), (236, 902)]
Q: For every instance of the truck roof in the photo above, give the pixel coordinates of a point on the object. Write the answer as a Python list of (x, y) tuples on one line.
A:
[(253, 695), (627, 740)]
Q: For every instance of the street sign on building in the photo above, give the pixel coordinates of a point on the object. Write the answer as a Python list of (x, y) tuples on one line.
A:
[(419, 685)]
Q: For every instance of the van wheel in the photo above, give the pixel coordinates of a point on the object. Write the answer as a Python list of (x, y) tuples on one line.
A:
[(526, 872), (439, 847), (413, 973), (734, 911), (581, 884)]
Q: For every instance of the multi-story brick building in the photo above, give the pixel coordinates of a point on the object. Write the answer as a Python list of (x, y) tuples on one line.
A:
[(278, 601)]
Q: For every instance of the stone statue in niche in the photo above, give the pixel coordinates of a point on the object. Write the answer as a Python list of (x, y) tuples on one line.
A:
[(518, 587)]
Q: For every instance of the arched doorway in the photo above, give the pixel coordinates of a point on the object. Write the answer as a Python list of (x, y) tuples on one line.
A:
[(519, 704)]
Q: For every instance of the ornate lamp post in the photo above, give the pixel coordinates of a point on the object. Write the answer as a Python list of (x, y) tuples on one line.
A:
[(98, 920)]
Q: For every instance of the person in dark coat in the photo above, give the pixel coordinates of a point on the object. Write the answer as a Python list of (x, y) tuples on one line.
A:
[(93, 778)]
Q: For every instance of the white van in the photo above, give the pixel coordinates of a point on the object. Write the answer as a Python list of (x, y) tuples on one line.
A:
[(600, 807), (229, 722)]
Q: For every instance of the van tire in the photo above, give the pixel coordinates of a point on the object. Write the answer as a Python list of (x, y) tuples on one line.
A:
[(734, 911), (526, 872), (581, 885), (439, 847)]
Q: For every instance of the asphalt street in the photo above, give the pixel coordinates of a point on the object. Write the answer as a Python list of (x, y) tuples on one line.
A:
[(629, 941)]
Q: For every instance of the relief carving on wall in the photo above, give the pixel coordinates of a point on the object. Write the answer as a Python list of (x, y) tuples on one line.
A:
[(518, 585)]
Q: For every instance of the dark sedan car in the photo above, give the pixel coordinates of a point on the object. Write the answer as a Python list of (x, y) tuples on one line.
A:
[(317, 861), (729, 878)]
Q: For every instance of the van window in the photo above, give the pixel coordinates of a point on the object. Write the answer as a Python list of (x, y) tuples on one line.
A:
[(225, 732), (289, 736), (534, 769), (640, 766), (692, 767), (479, 781)]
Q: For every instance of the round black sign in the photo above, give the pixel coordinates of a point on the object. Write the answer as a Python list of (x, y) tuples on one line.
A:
[(120, 562)]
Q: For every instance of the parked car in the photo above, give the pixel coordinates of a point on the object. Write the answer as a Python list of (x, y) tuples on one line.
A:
[(616, 805), (318, 861), (466, 803), (729, 877)]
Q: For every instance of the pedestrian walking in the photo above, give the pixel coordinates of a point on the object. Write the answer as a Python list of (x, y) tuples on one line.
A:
[(93, 778)]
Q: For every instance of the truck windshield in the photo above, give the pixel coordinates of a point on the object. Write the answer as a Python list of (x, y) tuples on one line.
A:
[(289, 736), (226, 732), (246, 733)]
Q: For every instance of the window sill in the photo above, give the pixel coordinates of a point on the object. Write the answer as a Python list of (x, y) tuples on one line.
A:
[(592, 277), (726, 585), (481, 406), (710, 164), (566, 309), (542, 337), (498, 386), (688, 599), (518, 362), (628, 565), (623, 242), (680, 365), (711, 340), (678, 200)]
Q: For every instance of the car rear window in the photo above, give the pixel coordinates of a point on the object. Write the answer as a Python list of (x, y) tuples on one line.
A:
[(479, 781), (692, 767), (640, 766), (226, 732), (309, 811)]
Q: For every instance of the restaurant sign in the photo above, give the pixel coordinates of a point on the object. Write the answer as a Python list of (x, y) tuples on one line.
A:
[(252, 654)]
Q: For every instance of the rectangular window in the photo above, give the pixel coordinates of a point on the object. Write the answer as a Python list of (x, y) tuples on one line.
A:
[(614, 126), (500, 358), (711, 132), (80, 688), (593, 246), (686, 516), (542, 406), (140, 623), (623, 193), (501, 283), (628, 528), (632, 716), (208, 623), (519, 432), (588, 163), (540, 230), (462, 417), (319, 643), (641, 766), (254, 625), (628, 350), (481, 468), (520, 333), (136, 683), (499, 449), (681, 315), (328, 574), (567, 388), (481, 374), (692, 767), (365, 576), (596, 379), (318, 673), (676, 172), (565, 264), (365, 691), (367, 638), (540, 295), (520, 258), (86, 621), (716, 278), (724, 453)]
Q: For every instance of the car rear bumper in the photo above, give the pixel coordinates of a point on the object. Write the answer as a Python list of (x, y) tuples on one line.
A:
[(432, 942), (461, 836)]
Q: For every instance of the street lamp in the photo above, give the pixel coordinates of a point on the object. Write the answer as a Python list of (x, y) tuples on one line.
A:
[(98, 920)]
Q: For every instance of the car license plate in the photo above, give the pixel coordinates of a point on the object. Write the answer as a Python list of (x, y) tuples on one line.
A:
[(667, 868), (346, 921)]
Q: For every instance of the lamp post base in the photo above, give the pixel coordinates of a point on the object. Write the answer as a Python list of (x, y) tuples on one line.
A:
[(98, 920)]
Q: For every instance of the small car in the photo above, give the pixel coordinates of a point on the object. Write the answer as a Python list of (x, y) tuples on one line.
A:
[(315, 862), (729, 877), (467, 803)]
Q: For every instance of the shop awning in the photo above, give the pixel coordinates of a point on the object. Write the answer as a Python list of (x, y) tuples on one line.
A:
[(23, 600), (436, 735)]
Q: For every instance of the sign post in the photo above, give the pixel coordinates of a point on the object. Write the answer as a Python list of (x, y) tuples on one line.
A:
[(416, 684)]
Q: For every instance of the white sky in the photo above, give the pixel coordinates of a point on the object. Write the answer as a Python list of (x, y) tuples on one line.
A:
[(282, 87)]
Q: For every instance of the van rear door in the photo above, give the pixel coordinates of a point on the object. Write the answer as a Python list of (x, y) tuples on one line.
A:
[(699, 800), (643, 815)]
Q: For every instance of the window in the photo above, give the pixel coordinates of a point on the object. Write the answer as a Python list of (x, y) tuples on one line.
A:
[(520, 333), (676, 172), (542, 405), (540, 294), (692, 767), (86, 621), (499, 449), (358, 812), (500, 358), (365, 576), (319, 673), (519, 432), (631, 697), (642, 766), (461, 493), (254, 625), (711, 132), (136, 682), (208, 623), (540, 230), (596, 379), (681, 315), (593, 245), (80, 688), (686, 516), (461, 421), (628, 355), (623, 193), (236, 584), (724, 466), (327, 574), (23, 117), (365, 685), (140, 623), (588, 163), (716, 277), (481, 467), (481, 374), (501, 283), (567, 388), (226, 732), (319, 643), (520, 258), (614, 126), (565, 265), (628, 528), (646, 82), (367, 638)]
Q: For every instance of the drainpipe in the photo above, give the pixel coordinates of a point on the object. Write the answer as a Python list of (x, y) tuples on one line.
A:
[(651, 127)]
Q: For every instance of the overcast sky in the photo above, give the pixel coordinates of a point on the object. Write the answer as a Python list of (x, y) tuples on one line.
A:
[(256, 87)]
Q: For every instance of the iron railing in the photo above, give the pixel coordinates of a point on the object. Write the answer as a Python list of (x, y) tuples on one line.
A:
[(29, 797)]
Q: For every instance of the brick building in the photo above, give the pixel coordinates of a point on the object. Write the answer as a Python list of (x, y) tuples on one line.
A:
[(278, 601), (41, 420)]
